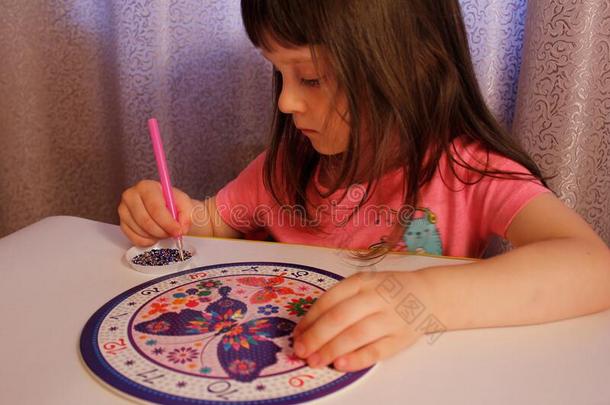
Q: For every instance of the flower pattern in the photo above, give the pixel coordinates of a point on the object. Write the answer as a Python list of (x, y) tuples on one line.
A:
[(158, 307), (300, 306), (206, 287), (182, 355), (243, 367), (193, 297), (268, 309)]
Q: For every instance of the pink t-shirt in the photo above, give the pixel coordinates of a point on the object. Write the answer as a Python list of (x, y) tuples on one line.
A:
[(452, 218)]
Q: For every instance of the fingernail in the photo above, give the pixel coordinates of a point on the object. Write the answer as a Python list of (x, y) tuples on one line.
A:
[(313, 360), (299, 349)]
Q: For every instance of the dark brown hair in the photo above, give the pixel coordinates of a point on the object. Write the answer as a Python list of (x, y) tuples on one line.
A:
[(410, 61)]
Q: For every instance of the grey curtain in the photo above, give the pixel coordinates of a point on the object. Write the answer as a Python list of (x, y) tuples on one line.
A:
[(79, 78)]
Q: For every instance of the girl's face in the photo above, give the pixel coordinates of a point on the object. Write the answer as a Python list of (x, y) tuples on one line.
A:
[(312, 98)]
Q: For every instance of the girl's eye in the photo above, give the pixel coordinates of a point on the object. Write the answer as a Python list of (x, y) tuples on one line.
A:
[(310, 82)]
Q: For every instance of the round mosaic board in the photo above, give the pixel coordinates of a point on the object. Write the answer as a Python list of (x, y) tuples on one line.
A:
[(212, 335)]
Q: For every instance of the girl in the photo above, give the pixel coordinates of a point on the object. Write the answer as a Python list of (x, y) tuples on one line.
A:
[(382, 140)]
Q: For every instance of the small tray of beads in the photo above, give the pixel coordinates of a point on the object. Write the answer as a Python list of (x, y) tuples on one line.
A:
[(161, 258)]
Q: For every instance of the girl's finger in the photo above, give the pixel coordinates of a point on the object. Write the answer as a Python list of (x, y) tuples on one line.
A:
[(358, 335), (147, 216), (374, 352), (135, 238), (127, 218), (184, 205), (160, 214), (334, 321), (341, 291)]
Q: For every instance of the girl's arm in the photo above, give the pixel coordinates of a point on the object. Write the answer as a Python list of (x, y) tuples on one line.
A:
[(145, 218), (559, 269), (206, 221)]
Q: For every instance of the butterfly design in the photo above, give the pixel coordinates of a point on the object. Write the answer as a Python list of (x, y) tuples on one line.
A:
[(244, 349), (269, 288)]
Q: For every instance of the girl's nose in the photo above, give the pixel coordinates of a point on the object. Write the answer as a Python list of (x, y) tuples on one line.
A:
[(291, 101)]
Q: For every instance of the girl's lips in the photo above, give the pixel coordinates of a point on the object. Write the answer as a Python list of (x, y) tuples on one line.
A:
[(306, 130)]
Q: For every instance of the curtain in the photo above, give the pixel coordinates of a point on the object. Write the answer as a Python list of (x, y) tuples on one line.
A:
[(79, 79), (562, 116)]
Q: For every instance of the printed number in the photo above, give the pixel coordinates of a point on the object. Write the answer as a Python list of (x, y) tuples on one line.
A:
[(116, 317), (297, 381), (197, 276), (114, 347), (150, 375), (221, 389), (300, 273), (150, 291)]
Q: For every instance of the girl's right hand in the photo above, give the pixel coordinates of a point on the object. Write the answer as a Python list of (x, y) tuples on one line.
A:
[(144, 217)]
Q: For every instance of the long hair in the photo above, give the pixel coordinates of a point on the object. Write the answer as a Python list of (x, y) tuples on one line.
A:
[(405, 69)]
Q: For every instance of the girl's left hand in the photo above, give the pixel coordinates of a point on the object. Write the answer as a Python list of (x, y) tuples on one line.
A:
[(357, 322)]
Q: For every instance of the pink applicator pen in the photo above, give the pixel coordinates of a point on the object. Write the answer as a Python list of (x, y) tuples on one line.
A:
[(166, 184)]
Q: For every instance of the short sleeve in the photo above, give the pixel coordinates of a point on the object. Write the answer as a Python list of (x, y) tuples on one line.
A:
[(237, 201), (499, 199)]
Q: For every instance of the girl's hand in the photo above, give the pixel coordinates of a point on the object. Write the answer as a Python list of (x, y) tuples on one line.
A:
[(144, 217), (359, 322)]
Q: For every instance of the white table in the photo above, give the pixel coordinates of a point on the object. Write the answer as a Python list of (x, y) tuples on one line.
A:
[(57, 272)]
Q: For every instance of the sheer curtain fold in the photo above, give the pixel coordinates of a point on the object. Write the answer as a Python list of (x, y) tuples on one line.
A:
[(495, 35), (563, 106), (79, 79)]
